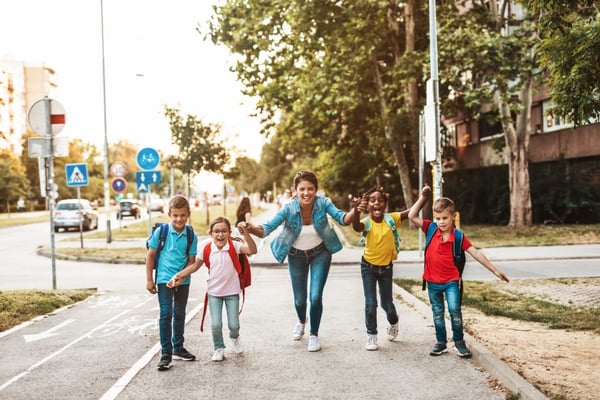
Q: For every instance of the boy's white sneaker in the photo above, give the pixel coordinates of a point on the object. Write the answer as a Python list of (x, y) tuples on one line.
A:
[(298, 331), (218, 355), (371, 342), (237, 346), (313, 343)]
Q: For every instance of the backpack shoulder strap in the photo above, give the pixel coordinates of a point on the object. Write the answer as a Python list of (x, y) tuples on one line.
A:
[(206, 255), (163, 232), (457, 252), (234, 257), (429, 234), (390, 221), (190, 238)]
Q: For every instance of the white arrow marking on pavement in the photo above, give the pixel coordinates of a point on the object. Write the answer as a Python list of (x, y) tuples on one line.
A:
[(47, 333)]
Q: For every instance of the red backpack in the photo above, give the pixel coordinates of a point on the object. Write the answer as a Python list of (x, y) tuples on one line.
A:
[(242, 266)]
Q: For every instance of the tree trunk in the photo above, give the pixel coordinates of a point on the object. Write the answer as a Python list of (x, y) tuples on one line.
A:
[(517, 142), (397, 151)]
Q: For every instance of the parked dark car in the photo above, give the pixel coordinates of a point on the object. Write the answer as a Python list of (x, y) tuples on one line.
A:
[(129, 208), (70, 213)]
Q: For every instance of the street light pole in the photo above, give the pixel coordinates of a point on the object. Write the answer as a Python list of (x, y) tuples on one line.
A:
[(435, 101), (106, 164)]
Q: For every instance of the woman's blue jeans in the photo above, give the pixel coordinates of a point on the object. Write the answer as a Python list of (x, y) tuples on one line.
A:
[(299, 264), (171, 323), (372, 276), (232, 307), (436, 298)]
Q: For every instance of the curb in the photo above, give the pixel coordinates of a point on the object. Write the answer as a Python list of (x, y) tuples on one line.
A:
[(510, 379)]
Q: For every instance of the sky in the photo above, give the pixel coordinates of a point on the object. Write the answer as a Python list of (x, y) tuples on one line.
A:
[(153, 56)]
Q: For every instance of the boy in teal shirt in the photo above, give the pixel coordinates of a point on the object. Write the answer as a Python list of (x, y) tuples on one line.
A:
[(172, 301)]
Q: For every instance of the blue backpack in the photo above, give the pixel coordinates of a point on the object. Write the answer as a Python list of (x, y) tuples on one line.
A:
[(390, 221), (458, 253), (164, 230)]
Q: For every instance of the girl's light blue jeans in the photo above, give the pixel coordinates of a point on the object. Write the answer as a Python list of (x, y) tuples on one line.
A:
[(436, 293), (299, 264), (232, 307)]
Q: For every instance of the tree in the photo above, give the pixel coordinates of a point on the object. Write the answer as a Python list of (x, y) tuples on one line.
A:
[(569, 51), (13, 181), (331, 75), (200, 147), (484, 65)]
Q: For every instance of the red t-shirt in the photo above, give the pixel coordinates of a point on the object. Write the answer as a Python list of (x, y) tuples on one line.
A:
[(439, 263)]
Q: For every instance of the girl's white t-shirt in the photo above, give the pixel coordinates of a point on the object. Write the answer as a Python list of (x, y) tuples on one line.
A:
[(223, 279)]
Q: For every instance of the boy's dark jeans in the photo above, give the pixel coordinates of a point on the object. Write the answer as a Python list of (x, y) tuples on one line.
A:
[(371, 276), (436, 293), (171, 324)]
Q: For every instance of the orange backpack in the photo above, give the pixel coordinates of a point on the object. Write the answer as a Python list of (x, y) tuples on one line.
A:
[(242, 266)]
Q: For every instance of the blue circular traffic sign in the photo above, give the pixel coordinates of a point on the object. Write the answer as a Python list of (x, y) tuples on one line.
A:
[(147, 158), (118, 184)]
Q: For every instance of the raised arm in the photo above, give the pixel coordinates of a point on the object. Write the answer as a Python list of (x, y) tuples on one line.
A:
[(249, 246), (359, 205), (413, 214)]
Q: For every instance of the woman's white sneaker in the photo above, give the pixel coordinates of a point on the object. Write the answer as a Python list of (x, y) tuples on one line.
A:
[(313, 343), (298, 331), (371, 342)]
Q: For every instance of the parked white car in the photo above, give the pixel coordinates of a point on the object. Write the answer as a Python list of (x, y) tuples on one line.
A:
[(71, 213)]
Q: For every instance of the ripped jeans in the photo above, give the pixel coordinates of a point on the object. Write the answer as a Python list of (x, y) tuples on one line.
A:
[(436, 293)]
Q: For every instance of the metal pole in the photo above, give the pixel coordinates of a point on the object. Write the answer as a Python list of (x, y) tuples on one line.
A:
[(106, 166), (433, 56), (50, 186), (80, 218)]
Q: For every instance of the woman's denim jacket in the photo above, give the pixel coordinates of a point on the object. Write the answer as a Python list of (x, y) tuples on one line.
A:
[(291, 219)]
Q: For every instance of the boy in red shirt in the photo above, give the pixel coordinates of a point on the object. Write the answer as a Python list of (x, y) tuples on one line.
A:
[(441, 274)]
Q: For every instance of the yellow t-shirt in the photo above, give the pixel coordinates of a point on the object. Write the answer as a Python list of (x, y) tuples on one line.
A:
[(380, 248)]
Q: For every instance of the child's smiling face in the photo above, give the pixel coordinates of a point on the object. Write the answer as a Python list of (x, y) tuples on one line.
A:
[(376, 206), (220, 234)]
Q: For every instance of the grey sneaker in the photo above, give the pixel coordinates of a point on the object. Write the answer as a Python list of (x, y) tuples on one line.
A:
[(165, 362), (438, 349), (183, 354), (371, 342), (392, 332), (461, 349), (298, 331)]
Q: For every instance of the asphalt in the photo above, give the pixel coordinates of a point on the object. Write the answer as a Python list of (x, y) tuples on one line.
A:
[(412, 306)]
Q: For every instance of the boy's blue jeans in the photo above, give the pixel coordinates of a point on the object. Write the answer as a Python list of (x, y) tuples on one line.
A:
[(232, 307), (373, 275), (436, 293), (299, 264), (171, 323)]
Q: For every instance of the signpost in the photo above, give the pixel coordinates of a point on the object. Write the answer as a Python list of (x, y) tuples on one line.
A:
[(47, 118), (147, 159), (77, 175)]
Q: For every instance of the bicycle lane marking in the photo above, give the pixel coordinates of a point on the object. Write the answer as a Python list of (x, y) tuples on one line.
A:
[(67, 346), (122, 383)]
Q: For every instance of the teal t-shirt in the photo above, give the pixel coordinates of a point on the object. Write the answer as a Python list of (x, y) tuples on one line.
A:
[(173, 256)]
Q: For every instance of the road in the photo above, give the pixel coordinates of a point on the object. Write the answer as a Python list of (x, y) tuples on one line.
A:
[(105, 348)]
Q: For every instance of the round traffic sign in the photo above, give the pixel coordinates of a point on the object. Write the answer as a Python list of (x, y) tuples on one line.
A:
[(46, 111), (147, 158), (117, 169), (118, 184)]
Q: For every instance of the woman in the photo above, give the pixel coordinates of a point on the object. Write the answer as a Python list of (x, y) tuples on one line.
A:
[(244, 211), (308, 241)]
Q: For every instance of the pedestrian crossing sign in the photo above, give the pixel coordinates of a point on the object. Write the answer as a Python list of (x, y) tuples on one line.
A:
[(76, 174)]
